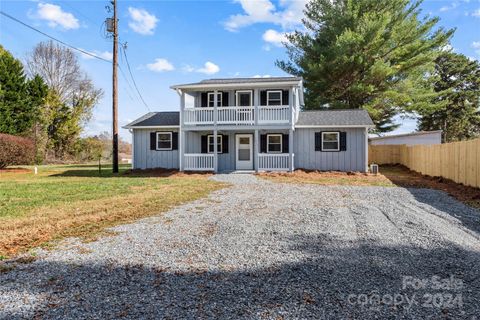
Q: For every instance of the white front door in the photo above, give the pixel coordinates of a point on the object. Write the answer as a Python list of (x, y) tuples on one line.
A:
[(244, 152)]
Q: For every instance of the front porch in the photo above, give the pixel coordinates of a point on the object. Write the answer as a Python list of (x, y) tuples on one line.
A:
[(257, 150)]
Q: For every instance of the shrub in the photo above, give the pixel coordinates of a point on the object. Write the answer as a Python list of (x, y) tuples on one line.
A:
[(15, 150)]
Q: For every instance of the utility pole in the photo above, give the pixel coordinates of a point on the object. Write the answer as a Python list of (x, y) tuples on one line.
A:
[(114, 89)]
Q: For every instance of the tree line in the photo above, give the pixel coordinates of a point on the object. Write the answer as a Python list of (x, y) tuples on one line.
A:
[(385, 57), (49, 100)]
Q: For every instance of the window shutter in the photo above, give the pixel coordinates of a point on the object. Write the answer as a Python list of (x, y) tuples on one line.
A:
[(174, 140), (318, 141), (204, 142), (263, 143), (224, 143), (263, 98), (343, 141), (285, 97), (225, 99), (203, 100), (153, 141), (285, 147)]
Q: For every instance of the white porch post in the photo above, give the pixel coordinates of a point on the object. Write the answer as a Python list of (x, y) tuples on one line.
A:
[(256, 97), (290, 150), (366, 149), (256, 143), (215, 143), (181, 134)]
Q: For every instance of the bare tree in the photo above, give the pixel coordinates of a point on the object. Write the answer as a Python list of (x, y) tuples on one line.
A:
[(72, 93)]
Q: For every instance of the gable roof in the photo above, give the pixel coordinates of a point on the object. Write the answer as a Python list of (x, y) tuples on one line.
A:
[(226, 82), (337, 117), (156, 119)]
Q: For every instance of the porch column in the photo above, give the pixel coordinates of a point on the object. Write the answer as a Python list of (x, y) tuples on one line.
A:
[(290, 150), (181, 134), (215, 155), (366, 149), (215, 143), (256, 97), (256, 142)]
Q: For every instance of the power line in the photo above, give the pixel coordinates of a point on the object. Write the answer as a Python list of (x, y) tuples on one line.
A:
[(53, 38), (133, 79)]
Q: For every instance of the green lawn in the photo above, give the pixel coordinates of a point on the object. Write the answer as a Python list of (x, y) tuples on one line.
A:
[(77, 200)]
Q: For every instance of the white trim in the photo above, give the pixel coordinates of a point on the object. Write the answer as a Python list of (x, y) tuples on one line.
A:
[(219, 102), (334, 126), (338, 140), (221, 143), (244, 91), (151, 127), (197, 86), (243, 164), (171, 141), (281, 97), (281, 142)]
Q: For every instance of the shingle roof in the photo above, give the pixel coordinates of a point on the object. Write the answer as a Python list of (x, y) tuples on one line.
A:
[(340, 117), (240, 81), (152, 119)]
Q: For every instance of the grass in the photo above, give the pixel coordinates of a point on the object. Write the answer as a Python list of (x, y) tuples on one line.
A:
[(77, 200)]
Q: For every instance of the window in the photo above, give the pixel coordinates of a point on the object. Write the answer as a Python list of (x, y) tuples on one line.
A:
[(211, 145), (244, 98), (164, 141), (274, 143), (274, 98), (330, 141), (210, 100)]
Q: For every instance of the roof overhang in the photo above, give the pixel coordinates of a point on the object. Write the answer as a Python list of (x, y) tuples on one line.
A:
[(210, 86), (150, 127), (334, 126)]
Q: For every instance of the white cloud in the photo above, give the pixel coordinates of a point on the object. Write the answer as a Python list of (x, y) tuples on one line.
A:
[(142, 21), (56, 16), (476, 45), (452, 6), (476, 13), (264, 11), (274, 37), (262, 76), (160, 65), (209, 68), (103, 54)]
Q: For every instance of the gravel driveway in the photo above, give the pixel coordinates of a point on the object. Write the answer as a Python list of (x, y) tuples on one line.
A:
[(265, 250)]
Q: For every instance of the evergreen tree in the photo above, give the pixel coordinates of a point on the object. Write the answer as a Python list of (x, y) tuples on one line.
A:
[(370, 54), (456, 79)]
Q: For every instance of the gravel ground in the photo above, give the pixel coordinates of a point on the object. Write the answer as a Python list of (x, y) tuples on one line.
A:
[(267, 251)]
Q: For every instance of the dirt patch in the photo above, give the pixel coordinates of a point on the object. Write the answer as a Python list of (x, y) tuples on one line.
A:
[(404, 177), (328, 178)]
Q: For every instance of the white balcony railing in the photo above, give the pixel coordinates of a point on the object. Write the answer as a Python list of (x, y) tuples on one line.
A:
[(274, 162), (198, 162), (237, 115)]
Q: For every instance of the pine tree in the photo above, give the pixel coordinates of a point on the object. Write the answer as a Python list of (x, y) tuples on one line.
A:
[(457, 81), (370, 54)]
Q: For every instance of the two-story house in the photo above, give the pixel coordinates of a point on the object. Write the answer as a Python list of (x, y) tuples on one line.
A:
[(252, 124)]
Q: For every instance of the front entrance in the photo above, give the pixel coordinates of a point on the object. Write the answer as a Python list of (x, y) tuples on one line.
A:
[(244, 152)]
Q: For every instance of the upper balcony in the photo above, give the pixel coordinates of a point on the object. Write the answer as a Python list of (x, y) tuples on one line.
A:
[(241, 102)]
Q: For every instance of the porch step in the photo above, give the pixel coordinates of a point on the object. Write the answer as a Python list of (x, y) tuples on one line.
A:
[(238, 172)]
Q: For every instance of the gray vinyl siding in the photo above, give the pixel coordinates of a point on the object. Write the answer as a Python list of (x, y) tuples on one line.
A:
[(353, 159), (144, 158), (226, 161)]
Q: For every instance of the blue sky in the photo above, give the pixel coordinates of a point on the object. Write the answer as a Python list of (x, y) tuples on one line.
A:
[(171, 42)]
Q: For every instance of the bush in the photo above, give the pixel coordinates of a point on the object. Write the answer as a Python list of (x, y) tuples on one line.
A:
[(15, 150)]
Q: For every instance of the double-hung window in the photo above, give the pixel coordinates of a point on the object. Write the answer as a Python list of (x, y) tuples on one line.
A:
[(274, 143), (211, 146), (164, 141), (330, 141), (274, 98), (211, 97)]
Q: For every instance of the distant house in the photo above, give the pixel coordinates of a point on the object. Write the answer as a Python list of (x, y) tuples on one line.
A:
[(414, 138), (252, 124)]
